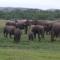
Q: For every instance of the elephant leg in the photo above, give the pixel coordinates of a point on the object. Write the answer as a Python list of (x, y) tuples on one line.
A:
[(30, 37), (46, 33), (14, 39), (26, 28), (35, 35), (6, 34), (49, 32), (10, 35), (39, 37), (42, 34), (52, 37), (18, 39), (25, 31)]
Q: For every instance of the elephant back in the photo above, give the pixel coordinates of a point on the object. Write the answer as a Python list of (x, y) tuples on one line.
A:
[(11, 23)]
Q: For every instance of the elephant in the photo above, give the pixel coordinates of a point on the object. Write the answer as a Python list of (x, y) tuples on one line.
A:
[(55, 32), (8, 30), (47, 25), (37, 29), (17, 35), (11, 23), (32, 22), (22, 24)]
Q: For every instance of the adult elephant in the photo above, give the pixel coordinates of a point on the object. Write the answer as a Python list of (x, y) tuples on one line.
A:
[(33, 22), (37, 29), (55, 32), (22, 24), (47, 25), (9, 30)]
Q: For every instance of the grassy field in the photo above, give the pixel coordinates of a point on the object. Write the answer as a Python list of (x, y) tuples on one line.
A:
[(28, 50)]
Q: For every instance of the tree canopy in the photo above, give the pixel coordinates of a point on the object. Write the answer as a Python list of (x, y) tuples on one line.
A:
[(35, 14)]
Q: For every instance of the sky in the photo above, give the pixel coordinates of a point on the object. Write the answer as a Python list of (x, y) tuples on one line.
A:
[(39, 4)]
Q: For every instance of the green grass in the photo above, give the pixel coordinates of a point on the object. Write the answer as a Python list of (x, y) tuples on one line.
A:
[(20, 54), (28, 50)]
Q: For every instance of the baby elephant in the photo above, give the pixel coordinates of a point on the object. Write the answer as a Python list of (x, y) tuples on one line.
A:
[(30, 35), (17, 35)]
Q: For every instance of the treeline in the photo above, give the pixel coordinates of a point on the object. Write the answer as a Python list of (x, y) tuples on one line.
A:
[(34, 14)]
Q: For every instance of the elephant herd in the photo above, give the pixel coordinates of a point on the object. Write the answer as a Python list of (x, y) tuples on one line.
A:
[(32, 28)]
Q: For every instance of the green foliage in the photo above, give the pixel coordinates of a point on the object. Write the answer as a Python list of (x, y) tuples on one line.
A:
[(34, 14)]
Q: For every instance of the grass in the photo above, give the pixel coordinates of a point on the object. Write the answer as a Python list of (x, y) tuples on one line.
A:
[(28, 50), (2, 23), (20, 54)]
